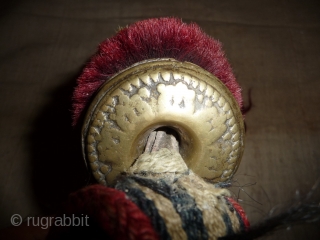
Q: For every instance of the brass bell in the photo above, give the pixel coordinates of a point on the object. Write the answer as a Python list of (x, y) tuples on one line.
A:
[(164, 93)]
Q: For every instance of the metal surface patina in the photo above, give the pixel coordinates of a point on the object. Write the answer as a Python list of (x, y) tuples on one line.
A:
[(164, 93)]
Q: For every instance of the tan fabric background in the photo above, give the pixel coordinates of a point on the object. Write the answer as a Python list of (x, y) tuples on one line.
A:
[(273, 46)]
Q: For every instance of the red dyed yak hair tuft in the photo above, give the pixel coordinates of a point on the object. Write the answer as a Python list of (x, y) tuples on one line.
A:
[(152, 38), (112, 211)]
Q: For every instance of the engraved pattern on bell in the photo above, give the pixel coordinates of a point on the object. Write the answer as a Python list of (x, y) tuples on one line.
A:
[(182, 96)]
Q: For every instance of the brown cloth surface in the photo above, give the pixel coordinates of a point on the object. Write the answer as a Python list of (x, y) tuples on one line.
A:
[(273, 47)]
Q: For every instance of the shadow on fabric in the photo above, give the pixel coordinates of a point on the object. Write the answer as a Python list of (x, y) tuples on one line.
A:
[(57, 163)]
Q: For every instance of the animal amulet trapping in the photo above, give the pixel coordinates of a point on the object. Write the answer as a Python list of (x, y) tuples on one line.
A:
[(162, 129)]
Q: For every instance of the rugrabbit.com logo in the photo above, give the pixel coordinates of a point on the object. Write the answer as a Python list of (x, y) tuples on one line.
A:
[(58, 221)]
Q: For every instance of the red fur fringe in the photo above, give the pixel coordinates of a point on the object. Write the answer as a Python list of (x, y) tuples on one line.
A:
[(152, 38), (112, 211)]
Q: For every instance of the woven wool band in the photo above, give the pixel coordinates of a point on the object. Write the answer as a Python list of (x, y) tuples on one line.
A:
[(160, 199), (152, 209), (201, 210), (185, 207)]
